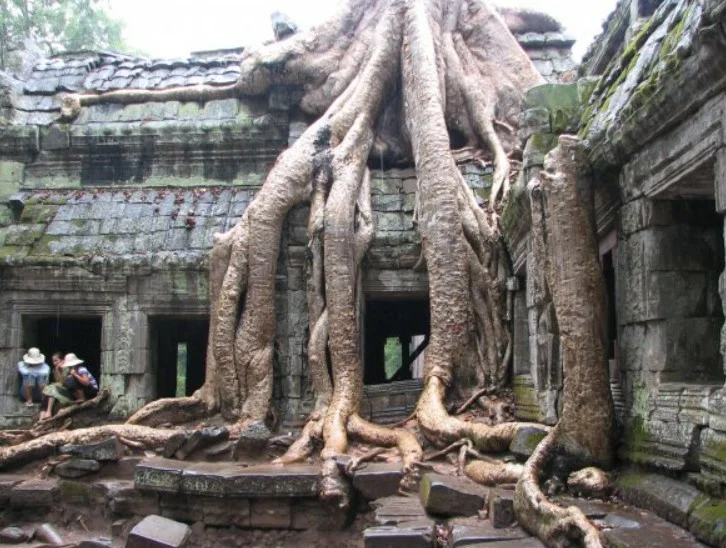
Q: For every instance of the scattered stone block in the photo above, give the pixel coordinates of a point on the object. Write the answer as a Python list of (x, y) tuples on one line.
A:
[(34, 494), (161, 475), (525, 441), (77, 468), (201, 439), (124, 500), (174, 443), (252, 440), (268, 513), (6, 486), (669, 498), (394, 510), (46, 533), (451, 496), (107, 450), (158, 532), (74, 492), (415, 534), (708, 521), (12, 535), (378, 479), (484, 532), (501, 508), (219, 449)]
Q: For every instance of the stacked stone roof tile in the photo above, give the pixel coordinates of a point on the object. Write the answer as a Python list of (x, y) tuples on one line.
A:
[(126, 223)]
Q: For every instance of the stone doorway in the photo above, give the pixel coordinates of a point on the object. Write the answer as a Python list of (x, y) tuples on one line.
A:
[(178, 354), (396, 333), (78, 334)]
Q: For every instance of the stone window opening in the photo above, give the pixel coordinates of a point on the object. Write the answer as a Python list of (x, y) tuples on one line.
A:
[(66, 333), (396, 333), (178, 350)]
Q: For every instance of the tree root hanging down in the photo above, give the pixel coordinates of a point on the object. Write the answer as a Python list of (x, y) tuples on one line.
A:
[(391, 77)]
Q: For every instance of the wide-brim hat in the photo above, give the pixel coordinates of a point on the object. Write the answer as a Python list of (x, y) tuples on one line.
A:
[(71, 360), (33, 357)]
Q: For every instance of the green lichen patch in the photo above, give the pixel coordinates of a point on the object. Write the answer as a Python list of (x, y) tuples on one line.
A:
[(707, 520), (552, 96)]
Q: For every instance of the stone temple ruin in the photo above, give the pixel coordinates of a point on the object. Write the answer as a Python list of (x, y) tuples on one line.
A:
[(107, 222)]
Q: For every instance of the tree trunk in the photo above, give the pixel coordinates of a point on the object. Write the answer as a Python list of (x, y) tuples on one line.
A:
[(562, 224)]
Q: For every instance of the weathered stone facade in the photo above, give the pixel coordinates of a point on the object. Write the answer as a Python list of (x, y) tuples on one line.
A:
[(111, 218), (650, 102)]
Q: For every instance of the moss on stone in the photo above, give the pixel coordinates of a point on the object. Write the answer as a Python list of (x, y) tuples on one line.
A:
[(630, 479)]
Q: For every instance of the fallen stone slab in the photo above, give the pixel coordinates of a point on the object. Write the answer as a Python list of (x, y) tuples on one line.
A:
[(34, 494), (394, 510), (174, 443), (158, 532), (669, 498), (484, 531), (412, 534), (13, 535), (158, 474), (7, 483), (219, 449), (200, 439), (106, 450), (631, 528), (525, 441), (530, 542), (708, 520), (77, 468), (501, 508), (378, 479), (451, 496)]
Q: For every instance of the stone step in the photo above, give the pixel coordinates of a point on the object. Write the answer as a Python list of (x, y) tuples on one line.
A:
[(394, 510), (227, 479)]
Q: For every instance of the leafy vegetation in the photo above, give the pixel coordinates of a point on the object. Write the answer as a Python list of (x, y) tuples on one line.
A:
[(58, 26)]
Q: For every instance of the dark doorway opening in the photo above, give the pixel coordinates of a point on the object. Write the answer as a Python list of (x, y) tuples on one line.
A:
[(78, 334), (396, 335), (178, 354)]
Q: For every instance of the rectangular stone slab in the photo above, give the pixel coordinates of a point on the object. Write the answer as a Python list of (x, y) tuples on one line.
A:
[(451, 496), (268, 480), (378, 479), (158, 532), (161, 475), (404, 535)]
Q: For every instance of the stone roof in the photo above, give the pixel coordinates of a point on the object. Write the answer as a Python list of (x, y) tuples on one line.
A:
[(135, 226), (110, 71)]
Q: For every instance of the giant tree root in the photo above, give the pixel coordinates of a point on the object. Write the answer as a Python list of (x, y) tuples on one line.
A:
[(554, 525), (47, 445), (170, 411)]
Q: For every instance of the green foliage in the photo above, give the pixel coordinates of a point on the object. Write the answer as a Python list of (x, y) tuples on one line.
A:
[(181, 370), (58, 26), (392, 352)]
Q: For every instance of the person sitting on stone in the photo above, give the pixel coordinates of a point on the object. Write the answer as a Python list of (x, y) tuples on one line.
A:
[(34, 373), (56, 392), (79, 381)]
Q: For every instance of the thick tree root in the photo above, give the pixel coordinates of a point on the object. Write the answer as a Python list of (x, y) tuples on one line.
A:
[(494, 472), (554, 525), (170, 411), (47, 445)]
